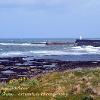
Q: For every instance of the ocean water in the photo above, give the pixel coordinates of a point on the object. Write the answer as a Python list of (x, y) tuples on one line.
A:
[(27, 47)]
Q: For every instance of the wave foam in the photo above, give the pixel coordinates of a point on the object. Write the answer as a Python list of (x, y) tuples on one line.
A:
[(21, 44), (11, 54), (72, 51), (38, 53), (89, 49), (54, 52)]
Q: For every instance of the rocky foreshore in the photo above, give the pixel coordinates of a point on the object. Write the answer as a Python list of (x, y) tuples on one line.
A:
[(16, 67)]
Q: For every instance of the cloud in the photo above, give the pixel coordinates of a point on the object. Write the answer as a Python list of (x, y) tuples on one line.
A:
[(43, 2), (30, 2), (67, 6), (46, 2)]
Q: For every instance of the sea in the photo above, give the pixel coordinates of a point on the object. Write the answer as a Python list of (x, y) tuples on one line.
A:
[(39, 50)]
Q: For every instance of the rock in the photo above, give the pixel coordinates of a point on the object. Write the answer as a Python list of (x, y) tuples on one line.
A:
[(26, 65), (8, 72), (91, 91)]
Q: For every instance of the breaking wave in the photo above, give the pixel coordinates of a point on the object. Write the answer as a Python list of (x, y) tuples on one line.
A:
[(75, 50), (88, 49), (22, 44)]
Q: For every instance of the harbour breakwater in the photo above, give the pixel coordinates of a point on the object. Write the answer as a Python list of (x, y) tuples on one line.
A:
[(86, 42), (77, 42), (16, 67)]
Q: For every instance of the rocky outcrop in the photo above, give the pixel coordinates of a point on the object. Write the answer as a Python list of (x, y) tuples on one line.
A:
[(15, 67)]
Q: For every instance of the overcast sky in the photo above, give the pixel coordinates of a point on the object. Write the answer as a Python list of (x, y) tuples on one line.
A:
[(49, 18)]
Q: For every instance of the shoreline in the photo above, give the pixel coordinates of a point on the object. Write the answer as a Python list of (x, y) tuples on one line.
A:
[(16, 67), (66, 85)]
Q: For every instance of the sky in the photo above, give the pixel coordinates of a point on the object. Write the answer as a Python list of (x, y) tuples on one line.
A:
[(49, 18)]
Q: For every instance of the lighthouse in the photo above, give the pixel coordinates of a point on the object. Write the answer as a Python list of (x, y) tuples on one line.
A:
[(80, 37)]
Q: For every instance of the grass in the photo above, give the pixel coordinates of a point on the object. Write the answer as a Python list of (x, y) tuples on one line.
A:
[(68, 85)]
